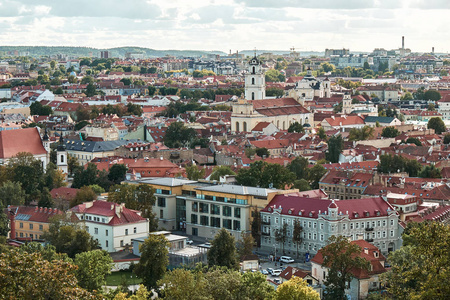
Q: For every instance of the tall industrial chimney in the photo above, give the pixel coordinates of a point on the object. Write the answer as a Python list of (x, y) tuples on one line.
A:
[(432, 50), (403, 42)]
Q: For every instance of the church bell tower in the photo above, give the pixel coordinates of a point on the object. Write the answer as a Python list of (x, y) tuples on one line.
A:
[(255, 81)]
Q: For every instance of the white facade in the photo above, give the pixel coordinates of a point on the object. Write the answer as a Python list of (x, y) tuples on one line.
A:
[(255, 81), (383, 231)]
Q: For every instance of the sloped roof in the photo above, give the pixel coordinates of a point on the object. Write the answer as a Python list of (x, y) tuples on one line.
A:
[(20, 140), (34, 214)]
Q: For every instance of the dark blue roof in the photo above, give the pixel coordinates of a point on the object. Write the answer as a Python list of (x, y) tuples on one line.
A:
[(95, 146), (372, 119)]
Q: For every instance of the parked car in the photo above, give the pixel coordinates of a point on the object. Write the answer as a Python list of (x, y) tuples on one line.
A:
[(277, 281), (286, 259), (269, 271), (265, 272), (189, 242), (276, 272)]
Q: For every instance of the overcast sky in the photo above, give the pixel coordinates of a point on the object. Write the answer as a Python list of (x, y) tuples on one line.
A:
[(307, 25)]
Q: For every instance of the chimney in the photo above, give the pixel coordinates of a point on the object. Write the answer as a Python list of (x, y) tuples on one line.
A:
[(12, 224), (403, 42), (432, 49)]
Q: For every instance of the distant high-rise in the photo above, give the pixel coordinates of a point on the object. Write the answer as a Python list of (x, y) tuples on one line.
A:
[(105, 54), (330, 52)]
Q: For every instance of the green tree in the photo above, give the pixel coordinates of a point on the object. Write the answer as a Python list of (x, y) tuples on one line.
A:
[(83, 177), (177, 135), (414, 140), (338, 108), (297, 236), (224, 284), (431, 107), (327, 67), (432, 95), (299, 166), (45, 198), (302, 185), (321, 133), (437, 124), (273, 75), (223, 251), (36, 108), (256, 226), (361, 134), (340, 256), (418, 268), (182, 284), (117, 173), (430, 171), (413, 167), (274, 92), (407, 96), (245, 244), (447, 138), (87, 80), (193, 172), (220, 171), (26, 275), (335, 145), (52, 64), (266, 175), (249, 152), (11, 193), (151, 90), (295, 289), (84, 194), (262, 152), (390, 132), (4, 223), (154, 260), (281, 236), (93, 266), (296, 127), (80, 125), (68, 238), (90, 90)]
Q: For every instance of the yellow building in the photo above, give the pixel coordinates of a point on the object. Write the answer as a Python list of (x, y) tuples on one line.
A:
[(202, 208), (29, 223)]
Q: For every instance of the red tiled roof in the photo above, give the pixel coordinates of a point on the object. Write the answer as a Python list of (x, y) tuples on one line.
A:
[(260, 126), (64, 192), (121, 214), (35, 214), (347, 120), (20, 140), (310, 207), (271, 144)]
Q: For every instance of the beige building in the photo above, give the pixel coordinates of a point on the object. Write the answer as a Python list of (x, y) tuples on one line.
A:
[(106, 133), (281, 112)]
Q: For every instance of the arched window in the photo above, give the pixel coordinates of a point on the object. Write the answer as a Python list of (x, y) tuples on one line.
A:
[(253, 95), (244, 126), (253, 71), (253, 80), (284, 125), (237, 126)]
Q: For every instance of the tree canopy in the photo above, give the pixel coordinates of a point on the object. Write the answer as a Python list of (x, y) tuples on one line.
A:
[(335, 145), (437, 124), (390, 132), (178, 135), (265, 175), (223, 251)]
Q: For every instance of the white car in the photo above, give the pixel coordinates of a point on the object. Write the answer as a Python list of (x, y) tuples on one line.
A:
[(286, 259), (276, 272), (264, 272), (189, 242)]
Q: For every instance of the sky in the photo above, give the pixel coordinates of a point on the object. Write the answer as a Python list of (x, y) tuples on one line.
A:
[(306, 25)]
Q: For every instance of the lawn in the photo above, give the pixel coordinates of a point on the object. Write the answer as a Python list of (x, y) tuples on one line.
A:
[(115, 278)]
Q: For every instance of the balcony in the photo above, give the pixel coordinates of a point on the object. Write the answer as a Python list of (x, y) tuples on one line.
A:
[(369, 228), (265, 233)]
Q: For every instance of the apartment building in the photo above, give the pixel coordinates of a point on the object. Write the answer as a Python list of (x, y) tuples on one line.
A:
[(372, 219), (202, 208)]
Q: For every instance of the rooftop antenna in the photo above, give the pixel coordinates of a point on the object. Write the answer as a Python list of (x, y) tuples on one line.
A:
[(255, 51)]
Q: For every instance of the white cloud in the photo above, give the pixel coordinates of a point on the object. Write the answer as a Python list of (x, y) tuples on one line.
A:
[(224, 24)]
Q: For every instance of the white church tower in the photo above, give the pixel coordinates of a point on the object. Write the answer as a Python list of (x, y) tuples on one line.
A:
[(61, 156), (255, 81)]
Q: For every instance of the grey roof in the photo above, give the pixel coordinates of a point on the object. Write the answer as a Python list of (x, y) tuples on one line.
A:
[(238, 189), (95, 146), (373, 119), (167, 181)]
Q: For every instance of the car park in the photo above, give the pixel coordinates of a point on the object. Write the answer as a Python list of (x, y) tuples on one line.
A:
[(265, 272), (286, 259)]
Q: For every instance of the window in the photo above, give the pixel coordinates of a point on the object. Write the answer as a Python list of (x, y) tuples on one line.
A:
[(253, 80), (107, 244), (194, 206), (392, 222), (384, 223), (31, 235), (31, 226), (195, 231), (392, 233), (204, 208), (62, 158), (321, 226), (95, 230), (106, 232), (321, 237), (161, 202), (21, 225), (161, 214), (237, 212), (226, 223), (236, 225), (204, 220), (226, 211), (121, 243), (215, 222), (215, 209), (194, 219), (135, 230), (41, 227), (126, 231)]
